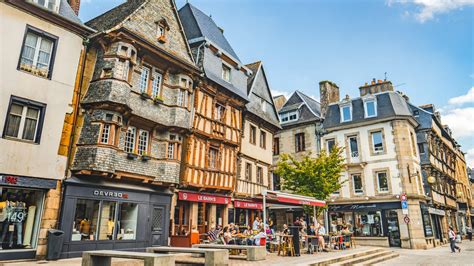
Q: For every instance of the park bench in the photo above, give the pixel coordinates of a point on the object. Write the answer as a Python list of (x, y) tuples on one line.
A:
[(254, 253), (212, 257), (104, 258)]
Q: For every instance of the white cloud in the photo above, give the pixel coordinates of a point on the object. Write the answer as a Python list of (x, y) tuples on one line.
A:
[(470, 157), (428, 8), (284, 93), (460, 121), (466, 98)]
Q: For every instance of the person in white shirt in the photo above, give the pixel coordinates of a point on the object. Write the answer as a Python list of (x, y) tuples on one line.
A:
[(256, 224), (259, 236), (452, 240)]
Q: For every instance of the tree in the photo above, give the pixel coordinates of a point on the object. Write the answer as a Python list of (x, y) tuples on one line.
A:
[(314, 177)]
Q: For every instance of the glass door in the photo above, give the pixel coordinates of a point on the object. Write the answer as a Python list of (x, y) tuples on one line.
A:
[(393, 229)]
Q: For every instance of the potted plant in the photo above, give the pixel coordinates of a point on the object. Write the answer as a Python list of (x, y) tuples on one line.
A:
[(158, 100), (145, 157), (144, 95), (132, 155)]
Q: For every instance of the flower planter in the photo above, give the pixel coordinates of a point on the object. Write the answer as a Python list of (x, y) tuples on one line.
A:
[(145, 96), (132, 156), (158, 101), (145, 158)]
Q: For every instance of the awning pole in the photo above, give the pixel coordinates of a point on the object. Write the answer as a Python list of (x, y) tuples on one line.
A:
[(264, 194), (314, 216)]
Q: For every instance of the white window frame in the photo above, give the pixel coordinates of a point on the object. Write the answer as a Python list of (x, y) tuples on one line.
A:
[(373, 142), (130, 138), (226, 72), (378, 182), (342, 113), (156, 84), (353, 154), (361, 192), (327, 144), (125, 69), (37, 50), (182, 99), (365, 108), (288, 115), (105, 136), (23, 117), (219, 112), (143, 139), (46, 4), (144, 79)]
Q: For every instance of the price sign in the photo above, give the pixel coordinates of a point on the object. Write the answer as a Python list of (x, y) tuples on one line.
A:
[(406, 219)]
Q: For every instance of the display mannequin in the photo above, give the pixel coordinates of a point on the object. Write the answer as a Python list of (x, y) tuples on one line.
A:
[(85, 227)]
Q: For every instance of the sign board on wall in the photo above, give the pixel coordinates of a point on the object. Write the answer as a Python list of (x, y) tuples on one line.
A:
[(207, 198)]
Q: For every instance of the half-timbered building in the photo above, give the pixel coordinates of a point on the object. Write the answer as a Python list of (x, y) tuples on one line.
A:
[(133, 110), (211, 150)]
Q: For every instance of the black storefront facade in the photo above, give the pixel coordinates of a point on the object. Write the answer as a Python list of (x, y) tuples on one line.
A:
[(372, 223), (104, 215), (22, 201)]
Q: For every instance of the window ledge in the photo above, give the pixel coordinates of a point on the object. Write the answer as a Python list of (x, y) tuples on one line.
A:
[(34, 74), (21, 140)]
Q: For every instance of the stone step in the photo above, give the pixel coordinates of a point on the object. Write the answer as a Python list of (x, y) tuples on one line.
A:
[(347, 257), (373, 261), (361, 259)]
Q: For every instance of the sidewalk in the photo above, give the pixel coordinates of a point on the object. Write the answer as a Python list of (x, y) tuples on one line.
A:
[(272, 259)]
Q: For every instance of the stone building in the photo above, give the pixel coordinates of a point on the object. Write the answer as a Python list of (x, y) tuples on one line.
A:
[(211, 150), (444, 174), (254, 170), (377, 133), (133, 110), (41, 42)]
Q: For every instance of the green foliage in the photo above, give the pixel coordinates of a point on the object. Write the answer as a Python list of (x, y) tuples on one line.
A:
[(314, 177)]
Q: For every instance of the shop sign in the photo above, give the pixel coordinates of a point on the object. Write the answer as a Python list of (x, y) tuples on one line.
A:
[(365, 207), (248, 205), (110, 194), (436, 211), (438, 197), (25, 181), (207, 198), (450, 202)]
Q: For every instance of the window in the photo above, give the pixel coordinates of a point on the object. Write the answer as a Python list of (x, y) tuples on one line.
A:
[(330, 143), (369, 224), (182, 98), (248, 171), (161, 28), (416, 113), (123, 68), (276, 146), (219, 112), (346, 113), (49, 4), (86, 219), (225, 73), (105, 137), (143, 142), (213, 158), (144, 77), (354, 148), (37, 53), (357, 183), (259, 175), (263, 105), (299, 142), (156, 84), (413, 143), (24, 120), (276, 182), (130, 140), (421, 148), (377, 141), (127, 217), (161, 32), (288, 116), (263, 139), (253, 135), (382, 181), (370, 108), (174, 147), (107, 227)]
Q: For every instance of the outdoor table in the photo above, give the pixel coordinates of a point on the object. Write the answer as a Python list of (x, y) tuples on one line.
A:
[(289, 242)]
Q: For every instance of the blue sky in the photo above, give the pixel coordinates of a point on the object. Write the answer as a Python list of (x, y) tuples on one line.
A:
[(425, 46)]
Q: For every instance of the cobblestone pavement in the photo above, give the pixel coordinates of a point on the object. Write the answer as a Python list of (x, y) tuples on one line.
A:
[(272, 259), (435, 256)]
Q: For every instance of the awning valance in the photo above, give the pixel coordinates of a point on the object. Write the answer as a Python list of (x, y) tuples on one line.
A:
[(282, 197)]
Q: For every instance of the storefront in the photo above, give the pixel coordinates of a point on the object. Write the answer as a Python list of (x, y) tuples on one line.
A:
[(21, 210), (245, 212), (437, 216), (375, 222), (201, 210), (462, 218), (113, 216)]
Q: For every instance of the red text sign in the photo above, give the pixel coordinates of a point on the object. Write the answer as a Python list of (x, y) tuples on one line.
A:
[(248, 205), (207, 198)]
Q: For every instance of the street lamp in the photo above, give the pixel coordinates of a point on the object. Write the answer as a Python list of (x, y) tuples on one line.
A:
[(431, 180)]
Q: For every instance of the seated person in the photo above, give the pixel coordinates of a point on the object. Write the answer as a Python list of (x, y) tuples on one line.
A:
[(320, 233), (261, 235), (248, 234), (228, 239), (345, 231), (213, 234)]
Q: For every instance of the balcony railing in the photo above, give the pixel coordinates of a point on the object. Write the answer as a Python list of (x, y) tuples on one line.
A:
[(248, 187)]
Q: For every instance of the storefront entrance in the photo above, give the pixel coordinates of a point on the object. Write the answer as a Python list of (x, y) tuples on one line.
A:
[(157, 225), (393, 228)]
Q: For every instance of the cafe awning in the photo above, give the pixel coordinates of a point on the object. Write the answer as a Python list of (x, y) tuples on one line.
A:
[(293, 199)]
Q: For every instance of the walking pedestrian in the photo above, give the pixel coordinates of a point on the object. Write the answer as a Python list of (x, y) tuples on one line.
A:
[(452, 240), (469, 232)]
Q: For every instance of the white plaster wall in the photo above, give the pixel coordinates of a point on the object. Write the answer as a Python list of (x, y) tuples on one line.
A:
[(20, 158), (254, 150)]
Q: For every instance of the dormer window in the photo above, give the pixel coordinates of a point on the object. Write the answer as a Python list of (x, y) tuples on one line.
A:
[(370, 108), (289, 116), (346, 113), (225, 73), (49, 4), (162, 28)]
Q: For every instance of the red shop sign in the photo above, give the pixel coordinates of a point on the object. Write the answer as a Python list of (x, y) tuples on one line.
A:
[(248, 205), (301, 202), (207, 198)]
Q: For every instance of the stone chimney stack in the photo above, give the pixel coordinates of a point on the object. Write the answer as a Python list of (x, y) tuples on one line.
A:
[(376, 87), (75, 4), (328, 93)]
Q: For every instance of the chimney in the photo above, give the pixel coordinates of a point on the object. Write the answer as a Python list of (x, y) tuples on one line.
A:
[(376, 86), (328, 93), (75, 4)]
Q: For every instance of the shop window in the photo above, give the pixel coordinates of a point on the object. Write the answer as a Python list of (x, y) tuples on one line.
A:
[(127, 221), (263, 139), (37, 54), (20, 217), (85, 220), (425, 216), (107, 220), (357, 184), (299, 142), (368, 224), (253, 135), (382, 181), (276, 146), (24, 120)]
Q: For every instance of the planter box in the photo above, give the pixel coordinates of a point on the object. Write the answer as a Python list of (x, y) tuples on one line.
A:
[(132, 156), (145, 158), (145, 96)]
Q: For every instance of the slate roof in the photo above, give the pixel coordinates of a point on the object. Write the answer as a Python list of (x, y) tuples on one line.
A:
[(229, 86), (389, 105), (197, 24), (254, 67), (65, 10), (309, 110), (114, 16)]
